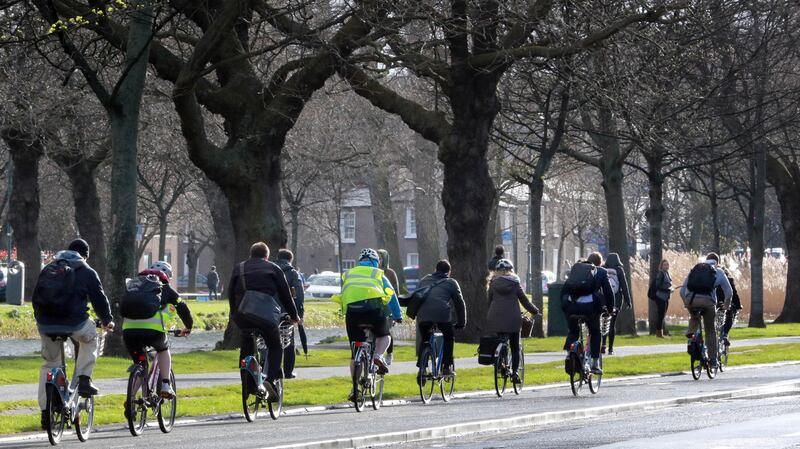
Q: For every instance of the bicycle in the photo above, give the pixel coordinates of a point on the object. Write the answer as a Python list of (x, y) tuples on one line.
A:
[(724, 342), (64, 404), (366, 379), (578, 363), (698, 352), (143, 394), (503, 368), (251, 369), (430, 368)]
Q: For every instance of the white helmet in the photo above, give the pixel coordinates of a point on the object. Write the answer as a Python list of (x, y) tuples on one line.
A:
[(368, 253), (163, 267), (504, 265)]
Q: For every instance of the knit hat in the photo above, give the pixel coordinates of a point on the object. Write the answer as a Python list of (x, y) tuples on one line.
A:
[(81, 247)]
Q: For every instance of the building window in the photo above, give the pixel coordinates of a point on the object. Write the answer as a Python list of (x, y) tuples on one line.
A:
[(147, 257), (348, 264), (411, 223), (412, 259), (348, 226)]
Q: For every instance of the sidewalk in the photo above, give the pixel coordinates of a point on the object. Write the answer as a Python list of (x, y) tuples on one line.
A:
[(20, 392)]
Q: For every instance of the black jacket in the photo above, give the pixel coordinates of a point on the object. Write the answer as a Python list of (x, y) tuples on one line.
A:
[(602, 295), (493, 262), (444, 302), (624, 293), (294, 280), (86, 288), (262, 276)]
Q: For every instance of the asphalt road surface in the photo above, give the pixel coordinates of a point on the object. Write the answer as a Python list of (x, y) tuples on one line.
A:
[(659, 425)]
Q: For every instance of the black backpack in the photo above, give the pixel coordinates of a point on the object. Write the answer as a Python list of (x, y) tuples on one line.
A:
[(702, 279), (580, 280), (54, 288), (142, 298), (418, 297)]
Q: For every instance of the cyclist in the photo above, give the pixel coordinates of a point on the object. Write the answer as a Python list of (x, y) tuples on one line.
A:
[(736, 303), (367, 298), (138, 335), (619, 285), (505, 296), (263, 276), (60, 302), (587, 293), (699, 292), (295, 281), (443, 302)]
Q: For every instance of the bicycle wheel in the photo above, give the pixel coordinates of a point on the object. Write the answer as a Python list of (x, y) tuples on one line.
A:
[(501, 372), (697, 368), (594, 379), (519, 383), (425, 375), (723, 355), (711, 372), (376, 392), (136, 401), (359, 387), (576, 373), (275, 407), (168, 407), (250, 400), (84, 418), (57, 419), (448, 384)]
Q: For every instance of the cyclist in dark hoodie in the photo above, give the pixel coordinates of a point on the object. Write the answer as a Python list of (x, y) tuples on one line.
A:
[(622, 295), (443, 307)]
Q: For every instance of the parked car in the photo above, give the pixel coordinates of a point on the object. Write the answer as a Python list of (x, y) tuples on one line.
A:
[(412, 277), (324, 285), (200, 281), (548, 277)]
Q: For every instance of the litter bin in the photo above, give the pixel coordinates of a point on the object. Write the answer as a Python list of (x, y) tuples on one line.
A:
[(556, 320), (15, 283)]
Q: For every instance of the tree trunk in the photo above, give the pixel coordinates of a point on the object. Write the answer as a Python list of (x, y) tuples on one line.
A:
[(536, 191), (383, 217), (162, 237), (26, 151), (124, 118), (757, 208), (82, 178), (655, 221), (785, 177), (715, 214), (426, 201), (191, 262), (561, 242), (294, 217), (698, 217)]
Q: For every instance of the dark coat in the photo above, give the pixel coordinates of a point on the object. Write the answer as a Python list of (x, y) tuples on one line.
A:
[(602, 295), (86, 288), (212, 279), (624, 293), (663, 287), (262, 276), (493, 262), (294, 280), (505, 296), (444, 302)]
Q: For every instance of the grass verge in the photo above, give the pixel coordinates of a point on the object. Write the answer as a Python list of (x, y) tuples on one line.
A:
[(22, 416)]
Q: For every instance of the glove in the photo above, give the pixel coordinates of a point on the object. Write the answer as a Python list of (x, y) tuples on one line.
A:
[(460, 326)]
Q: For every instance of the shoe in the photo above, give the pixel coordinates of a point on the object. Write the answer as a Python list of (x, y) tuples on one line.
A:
[(261, 391), (515, 378), (352, 396), (610, 351), (85, 387), (448, 371), (272, 391), (166, 390), (603, 349), (389, 358), (45, 420), (381, 364), (291, 375), (596, 367)]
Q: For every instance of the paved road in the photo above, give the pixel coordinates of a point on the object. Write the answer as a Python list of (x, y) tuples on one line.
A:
[(316, 426), (20, 392)]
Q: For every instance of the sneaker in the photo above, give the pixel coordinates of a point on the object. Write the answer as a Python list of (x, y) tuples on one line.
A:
[(448, 371), (261, 391), (45, 420), (352, 396), (166, 390), (515, 378), (272, 391), (610, 351), (291, 375), (389, 358), (85, 387), (380, 363), (596, 367)]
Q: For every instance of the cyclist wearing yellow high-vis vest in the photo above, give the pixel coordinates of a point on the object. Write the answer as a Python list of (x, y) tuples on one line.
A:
[(138, 335), (367, 298)]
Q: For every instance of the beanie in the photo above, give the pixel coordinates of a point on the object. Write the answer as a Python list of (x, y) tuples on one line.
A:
[(80, 246)]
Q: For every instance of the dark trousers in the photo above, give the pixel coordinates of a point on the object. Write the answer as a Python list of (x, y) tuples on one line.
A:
[(289, 357), (274, 350), (446, 329), (612, 333), (661, 310), (592, 317), (513, 344), (212, 292), (730, 316)]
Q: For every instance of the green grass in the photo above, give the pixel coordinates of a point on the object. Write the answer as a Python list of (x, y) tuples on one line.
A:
[(20, 416)]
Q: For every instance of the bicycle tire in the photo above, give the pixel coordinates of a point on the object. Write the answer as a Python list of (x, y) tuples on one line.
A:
[(57, 419), (275, 407), (723, 356), (448, 385), (359, 381), (136, 401), (501, 372), (696, 368), (167, 422), (518, 386), (84, 418), (594, 379), (376, 393), (576, 374), (250, 400), (711, 372), (425, 375)]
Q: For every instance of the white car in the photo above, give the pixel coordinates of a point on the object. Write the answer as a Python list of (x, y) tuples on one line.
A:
[(324, 285)]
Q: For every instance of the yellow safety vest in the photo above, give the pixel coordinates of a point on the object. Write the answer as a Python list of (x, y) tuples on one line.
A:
[(160, 321), (362, 283)]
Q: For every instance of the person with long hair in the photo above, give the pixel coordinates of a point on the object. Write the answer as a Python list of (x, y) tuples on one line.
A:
[(660, 293)]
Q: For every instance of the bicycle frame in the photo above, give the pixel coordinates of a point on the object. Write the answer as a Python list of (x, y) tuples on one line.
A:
[(250, 365), (57, 377), (581, 349), (436, 342)]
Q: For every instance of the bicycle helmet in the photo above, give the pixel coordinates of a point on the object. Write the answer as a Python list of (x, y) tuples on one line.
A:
[(368, 253), (163, 267), (504, 265)]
